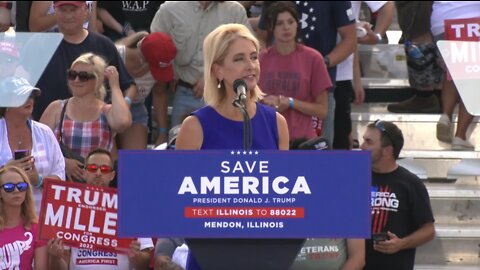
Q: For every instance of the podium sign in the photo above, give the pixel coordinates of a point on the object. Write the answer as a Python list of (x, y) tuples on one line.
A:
[(244, 194), (461, 54)]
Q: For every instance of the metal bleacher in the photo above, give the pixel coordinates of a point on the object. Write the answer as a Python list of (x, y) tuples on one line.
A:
[(451, 177)]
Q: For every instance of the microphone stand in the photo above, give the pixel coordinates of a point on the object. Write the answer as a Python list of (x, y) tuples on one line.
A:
[(246, 123)]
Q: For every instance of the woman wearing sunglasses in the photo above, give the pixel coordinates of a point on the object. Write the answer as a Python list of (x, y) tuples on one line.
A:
[(85, 122), (28, 144), (19, 244)]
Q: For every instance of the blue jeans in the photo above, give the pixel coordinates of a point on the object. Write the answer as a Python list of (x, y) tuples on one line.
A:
[(328, 128), (184, 103)]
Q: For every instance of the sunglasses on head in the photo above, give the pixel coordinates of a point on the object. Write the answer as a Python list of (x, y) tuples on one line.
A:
[(381, 126), (83, 76), (93, 168), (10, 187)]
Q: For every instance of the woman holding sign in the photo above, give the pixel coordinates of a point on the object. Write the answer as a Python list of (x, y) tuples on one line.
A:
[(19, 245)]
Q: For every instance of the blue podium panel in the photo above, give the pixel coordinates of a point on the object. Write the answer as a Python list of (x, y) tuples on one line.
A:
[(238, 194)]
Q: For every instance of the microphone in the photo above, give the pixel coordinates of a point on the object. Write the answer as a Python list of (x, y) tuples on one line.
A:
[(240, 88), (317, 143)]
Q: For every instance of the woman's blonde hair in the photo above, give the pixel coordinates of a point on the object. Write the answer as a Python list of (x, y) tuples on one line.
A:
[(28, 206), (99, 64), (215, 48)]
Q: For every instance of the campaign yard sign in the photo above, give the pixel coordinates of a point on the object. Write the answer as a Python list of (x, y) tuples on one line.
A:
[(83, 216), (461, 54), (244, 194)]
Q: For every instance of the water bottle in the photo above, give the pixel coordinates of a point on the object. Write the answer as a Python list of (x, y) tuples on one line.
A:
[(414, 52)]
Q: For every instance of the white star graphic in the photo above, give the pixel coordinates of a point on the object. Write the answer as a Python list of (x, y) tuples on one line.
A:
[(238, 152), (256, 152), (233, 152)]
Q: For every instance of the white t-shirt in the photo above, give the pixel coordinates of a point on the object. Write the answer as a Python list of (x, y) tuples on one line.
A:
[(45, 149), (103, 260), (345, 68), (180, 256), (445, 10)]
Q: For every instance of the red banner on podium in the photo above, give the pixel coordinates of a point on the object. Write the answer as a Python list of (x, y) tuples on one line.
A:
[(84, 216)]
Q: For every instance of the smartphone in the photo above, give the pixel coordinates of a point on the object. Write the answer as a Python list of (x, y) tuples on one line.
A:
[(18, 154), (379, 237)]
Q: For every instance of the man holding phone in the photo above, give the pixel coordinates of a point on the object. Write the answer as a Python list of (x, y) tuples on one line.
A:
[(402, 217)]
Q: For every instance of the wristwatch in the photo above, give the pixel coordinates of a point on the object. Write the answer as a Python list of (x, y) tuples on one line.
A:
[(326, 60)]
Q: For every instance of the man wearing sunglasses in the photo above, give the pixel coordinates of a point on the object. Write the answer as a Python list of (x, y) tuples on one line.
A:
[(402, 217), (98, 171)]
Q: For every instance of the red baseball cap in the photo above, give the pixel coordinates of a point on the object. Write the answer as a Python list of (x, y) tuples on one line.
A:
[(9, 49), (73, 3), (159, 51)]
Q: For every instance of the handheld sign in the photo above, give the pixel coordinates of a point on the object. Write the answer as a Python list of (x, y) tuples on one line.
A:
[(461, 54), (244, 194), (83, 216)]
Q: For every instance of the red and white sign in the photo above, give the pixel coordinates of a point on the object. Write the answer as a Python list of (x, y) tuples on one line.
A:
[(461, 54), (462, 29), (84, 216), (463, 59)]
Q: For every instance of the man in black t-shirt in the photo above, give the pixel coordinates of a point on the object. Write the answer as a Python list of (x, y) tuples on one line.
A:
[(70, 16), (402, 217)]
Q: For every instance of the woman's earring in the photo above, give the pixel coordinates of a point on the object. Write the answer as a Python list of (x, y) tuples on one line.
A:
[(219, 85)]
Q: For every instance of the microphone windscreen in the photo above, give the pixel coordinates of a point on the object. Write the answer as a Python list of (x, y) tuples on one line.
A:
[(318, 143), (237, 83)]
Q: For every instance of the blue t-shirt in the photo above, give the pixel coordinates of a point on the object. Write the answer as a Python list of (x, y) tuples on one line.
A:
[(319, 21), (222, 133)]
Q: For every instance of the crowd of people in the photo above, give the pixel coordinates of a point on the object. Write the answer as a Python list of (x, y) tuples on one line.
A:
[(300, 65)]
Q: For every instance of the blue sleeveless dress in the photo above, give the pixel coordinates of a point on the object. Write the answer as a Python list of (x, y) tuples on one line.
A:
[(222, 133)]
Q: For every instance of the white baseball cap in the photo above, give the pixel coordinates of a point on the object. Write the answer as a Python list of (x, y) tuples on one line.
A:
[(14, 91)]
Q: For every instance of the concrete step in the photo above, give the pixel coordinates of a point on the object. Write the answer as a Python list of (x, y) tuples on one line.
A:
[(462, 232), (443, 166), (419, 130), (449, 191), (451, 247)]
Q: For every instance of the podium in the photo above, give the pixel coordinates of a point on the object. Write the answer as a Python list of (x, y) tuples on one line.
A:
[(242, 254), (244, 210)]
